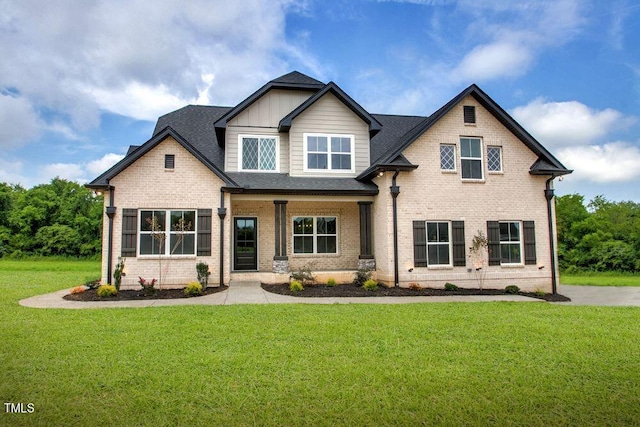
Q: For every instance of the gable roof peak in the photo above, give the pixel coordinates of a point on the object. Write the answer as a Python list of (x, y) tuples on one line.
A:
[(297, 78)]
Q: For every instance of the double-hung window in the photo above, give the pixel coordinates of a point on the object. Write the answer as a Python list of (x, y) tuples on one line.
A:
[(167, 232), (258, 153), (471, 158), (328, 152), (438, 243), (510, 243), (315, 235)]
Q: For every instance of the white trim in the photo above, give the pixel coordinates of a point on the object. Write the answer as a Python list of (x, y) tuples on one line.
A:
[(167, 241), (244, 135), (352, 138), (455, 158), (315, 235), (482, 159), (449, 243), (520, 243), (501, 170)]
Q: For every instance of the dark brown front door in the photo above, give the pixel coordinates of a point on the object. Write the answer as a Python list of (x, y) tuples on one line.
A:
[(245, 238)]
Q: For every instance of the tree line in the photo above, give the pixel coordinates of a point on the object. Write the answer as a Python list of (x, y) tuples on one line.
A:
[(61, 218), (64, 218)]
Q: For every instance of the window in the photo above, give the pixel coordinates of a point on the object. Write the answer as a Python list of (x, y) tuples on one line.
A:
[(258, 153), (469, 114), (494, 159), (167, 232), (471, 158), (447, 157), (438, 243), (510, 243), (329, 152), (169, 161), (315, 235)]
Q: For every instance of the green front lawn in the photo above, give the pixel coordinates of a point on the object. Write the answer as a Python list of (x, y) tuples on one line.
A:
[(600, 279), (417, 364)]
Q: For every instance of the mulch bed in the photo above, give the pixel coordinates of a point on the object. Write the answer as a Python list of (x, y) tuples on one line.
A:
[(128, 295), (350, 290)]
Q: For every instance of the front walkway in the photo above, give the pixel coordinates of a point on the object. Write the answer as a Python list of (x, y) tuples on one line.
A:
[(240, 292), (601, 295)]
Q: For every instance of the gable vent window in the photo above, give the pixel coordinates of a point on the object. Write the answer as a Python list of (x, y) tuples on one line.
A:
[(169, 161), (469, 114)]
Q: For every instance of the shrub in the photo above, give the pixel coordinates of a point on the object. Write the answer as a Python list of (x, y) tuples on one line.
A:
[(362, 275), (147, 287), (92, 283), (296, 286), (331, 282), (512, 289), (370, 285), (303, 275), (202, 268), (105, 291), (415, 286), (78, 290), (193, 289), (539, 292), (450, 287), (119, 273)]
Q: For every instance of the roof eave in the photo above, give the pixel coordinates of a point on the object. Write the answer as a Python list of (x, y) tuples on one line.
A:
[(300, 192)]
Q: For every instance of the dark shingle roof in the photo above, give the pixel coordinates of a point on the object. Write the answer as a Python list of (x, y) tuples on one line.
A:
[(297, 78), (282, 183), (393, 127)]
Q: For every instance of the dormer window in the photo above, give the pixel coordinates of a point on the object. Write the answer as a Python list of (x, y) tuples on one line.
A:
[(258, 153), (327, 152), (469, 115)]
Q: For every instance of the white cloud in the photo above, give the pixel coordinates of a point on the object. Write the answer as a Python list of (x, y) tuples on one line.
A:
[(568, 123), (494, 60), (68, 171), (613, 162), (97, 167), (19, 122)]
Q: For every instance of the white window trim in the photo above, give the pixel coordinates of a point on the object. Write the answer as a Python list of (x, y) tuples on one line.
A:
[(455, 159), (315, 236), (167, 240), (520, 242), (450, 244), (306, 168), (501, 171), (241, 169), (482, 159)]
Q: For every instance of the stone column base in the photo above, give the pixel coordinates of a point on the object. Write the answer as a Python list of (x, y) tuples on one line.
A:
[(281, 266), (367, 264)]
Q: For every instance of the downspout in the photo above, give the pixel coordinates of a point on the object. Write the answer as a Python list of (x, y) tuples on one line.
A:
[(548, 194), (111, 212), (395, 190), (222, 213)]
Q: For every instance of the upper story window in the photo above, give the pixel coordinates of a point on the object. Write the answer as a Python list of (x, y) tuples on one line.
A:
[(471, 158), (167, 232), (448, 157), (469, 114), (258, 153), (326, 152), (494, 159)]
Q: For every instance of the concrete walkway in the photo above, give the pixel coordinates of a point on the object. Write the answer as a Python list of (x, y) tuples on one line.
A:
[(601, 295), (252, 293)]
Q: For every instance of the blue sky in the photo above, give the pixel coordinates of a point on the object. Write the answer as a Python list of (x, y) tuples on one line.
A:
[(80, 83)]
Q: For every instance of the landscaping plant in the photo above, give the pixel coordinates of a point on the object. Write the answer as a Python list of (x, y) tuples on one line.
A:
[(119, 273), (105, 291), (202, 269), (370, 285), (193, 289), (479, 255)]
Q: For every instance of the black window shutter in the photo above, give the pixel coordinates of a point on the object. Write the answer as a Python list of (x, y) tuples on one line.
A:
[(469, 114), (204, 232), (529, 242), (169, 161), (419, 244), (459, 256), (493, 235), (129, 232)]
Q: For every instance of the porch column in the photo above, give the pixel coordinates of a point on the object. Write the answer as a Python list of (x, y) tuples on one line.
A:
[(280, 259), (366, 259)]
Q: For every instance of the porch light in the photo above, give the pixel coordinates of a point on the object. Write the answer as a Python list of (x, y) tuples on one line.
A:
[(380, 173)]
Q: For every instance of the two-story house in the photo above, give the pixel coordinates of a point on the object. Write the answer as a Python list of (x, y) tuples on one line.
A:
[(299, 173)]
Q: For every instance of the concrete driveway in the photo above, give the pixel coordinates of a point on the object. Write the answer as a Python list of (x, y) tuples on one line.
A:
[(601, 295)]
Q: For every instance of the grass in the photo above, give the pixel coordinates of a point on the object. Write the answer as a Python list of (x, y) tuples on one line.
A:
[(598, 278), (370, 364)]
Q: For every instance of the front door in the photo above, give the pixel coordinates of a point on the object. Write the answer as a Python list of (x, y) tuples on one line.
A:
[(245, 253)]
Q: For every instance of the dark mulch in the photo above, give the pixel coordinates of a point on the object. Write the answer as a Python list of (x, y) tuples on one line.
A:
[(127, 295), (350, 290)]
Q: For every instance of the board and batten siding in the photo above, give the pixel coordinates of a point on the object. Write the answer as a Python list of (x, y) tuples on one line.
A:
[(328, 115), (262, 118)]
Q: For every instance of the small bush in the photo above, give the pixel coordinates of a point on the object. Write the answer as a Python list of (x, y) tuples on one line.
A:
[(362, 276), (370, 285), (296, 286), (415, 286), (512, 289), (105, 291), (119, 273), (303, 275), (539, 292), (193, 289), (450, 287), (147, 287), (331, 282), (202, 269), (92, 283), (78, 290)]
